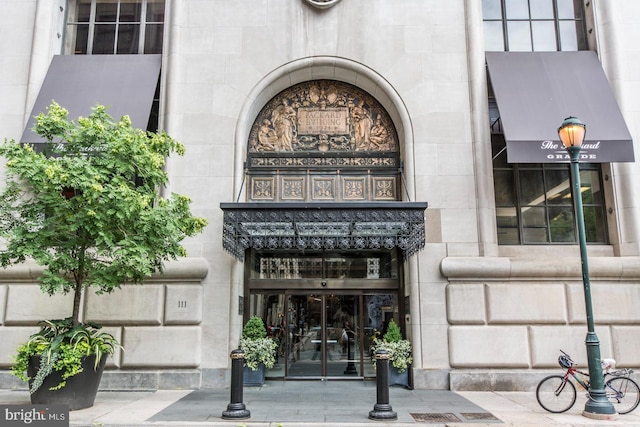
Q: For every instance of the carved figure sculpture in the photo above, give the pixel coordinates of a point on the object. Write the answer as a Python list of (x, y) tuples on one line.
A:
[(379, 136), (267, 138), (362, 127), (283, 119)]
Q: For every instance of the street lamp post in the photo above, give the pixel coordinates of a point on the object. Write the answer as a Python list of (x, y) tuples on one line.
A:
[(572, 134)]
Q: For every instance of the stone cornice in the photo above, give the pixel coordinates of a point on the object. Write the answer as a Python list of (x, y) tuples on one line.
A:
[(475, 269), (184, 269)]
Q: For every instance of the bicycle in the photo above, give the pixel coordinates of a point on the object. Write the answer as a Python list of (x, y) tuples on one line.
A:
[(557, 393)]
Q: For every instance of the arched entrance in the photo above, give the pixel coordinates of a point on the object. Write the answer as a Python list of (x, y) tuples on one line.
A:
[(323, 231)]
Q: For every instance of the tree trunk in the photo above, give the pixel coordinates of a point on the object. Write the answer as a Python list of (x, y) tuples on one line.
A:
[(78, 278), (77, 296)]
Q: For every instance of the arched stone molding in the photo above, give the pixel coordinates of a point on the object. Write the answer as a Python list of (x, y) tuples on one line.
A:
[(332, 68)]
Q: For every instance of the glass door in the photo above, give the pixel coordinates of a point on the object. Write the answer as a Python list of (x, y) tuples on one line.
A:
[(325, 337), (322, 333), (305, 335), (323, 309)]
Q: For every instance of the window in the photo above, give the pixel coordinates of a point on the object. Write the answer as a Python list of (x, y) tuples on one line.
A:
[(533, 25), (115, 27), (533, 201)]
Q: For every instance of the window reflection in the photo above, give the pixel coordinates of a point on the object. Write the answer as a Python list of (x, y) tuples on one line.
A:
[(567, 9), (543, 36), (542, 9), (491, 9), (561, 224), (518, 34), (493, 37), (569, 31), (517, 9)]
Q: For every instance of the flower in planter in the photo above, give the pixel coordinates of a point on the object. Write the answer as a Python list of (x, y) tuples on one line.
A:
[(257, 347), (399, 349)]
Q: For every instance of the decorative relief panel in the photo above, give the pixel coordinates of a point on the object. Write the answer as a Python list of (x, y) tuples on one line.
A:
[(323, 140), (332, 162), (354, 189), (263, 188), (384, 188), (323, 116), (323, 188), (293, 188)]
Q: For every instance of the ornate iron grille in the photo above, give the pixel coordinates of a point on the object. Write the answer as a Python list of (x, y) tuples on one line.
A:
[(329, 226)]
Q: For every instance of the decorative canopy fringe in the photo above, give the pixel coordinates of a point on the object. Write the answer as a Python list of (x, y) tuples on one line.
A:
[(323, 226)]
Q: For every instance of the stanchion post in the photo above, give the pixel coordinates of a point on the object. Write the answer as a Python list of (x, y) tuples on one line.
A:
[(236, 410), (351, 366), (382, 410)]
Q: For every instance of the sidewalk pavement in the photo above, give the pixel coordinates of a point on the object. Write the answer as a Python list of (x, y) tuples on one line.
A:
[(316, 404)]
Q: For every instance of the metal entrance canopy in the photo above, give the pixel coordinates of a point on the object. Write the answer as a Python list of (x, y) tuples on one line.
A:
[(317, 226)]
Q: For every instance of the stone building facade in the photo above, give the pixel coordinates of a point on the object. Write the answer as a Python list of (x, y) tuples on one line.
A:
[(486, 293)]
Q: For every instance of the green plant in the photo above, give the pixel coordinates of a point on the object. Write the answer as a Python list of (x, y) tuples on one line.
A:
[(89, 210), (62, 346), (393, 333), (255, 344), (254, 329), (398, 348)]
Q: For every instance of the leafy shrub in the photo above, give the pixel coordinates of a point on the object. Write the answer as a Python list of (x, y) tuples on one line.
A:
[(254, 329), (61, 347), (399, 349), (256, 351), (393, 332), (257, 347)]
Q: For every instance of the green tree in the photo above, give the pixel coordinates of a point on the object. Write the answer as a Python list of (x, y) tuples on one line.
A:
[(254, 329), (89, 208), (393, 333)]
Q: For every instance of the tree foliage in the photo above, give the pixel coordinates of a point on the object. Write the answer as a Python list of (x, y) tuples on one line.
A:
[(88, 209)]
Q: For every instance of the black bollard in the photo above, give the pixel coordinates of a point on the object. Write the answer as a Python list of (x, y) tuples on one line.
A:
[(236, 410), (382, 411)]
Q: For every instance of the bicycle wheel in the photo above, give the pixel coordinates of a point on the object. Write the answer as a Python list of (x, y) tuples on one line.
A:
[(623, 393), (556, 394)]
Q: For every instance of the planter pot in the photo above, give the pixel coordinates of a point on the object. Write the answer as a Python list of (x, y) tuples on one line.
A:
[(80, 390), (253, 378), (398, 378)]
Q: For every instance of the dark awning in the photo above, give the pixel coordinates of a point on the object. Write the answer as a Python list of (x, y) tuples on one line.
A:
[(536, 91), (317, 226), (124, 83)]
